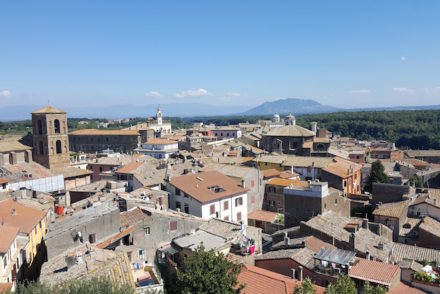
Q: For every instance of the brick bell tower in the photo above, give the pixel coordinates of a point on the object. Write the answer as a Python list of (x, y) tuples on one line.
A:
[(50, 138)]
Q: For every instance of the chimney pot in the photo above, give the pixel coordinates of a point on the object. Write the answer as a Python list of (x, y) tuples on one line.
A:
[(300, 273)]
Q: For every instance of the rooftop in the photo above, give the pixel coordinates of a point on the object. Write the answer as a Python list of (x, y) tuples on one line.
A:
[(17, 215), (48, 109), (271, 172), (374, 271), (263, 215), (12, 145), (430, 225), (8, 235), (262, 281), (193, 241), (129, 168), (287, 182), (290, 131), (335, 255), (342, 168), (160, 141), (207, 186), (392, 210)]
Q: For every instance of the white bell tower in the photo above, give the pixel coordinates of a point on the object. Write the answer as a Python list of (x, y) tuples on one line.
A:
[(159, 116)]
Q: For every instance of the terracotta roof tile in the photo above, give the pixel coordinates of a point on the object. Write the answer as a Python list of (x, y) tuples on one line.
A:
[(374, 271), (342, 168), (160, 141), (8, 235), (402, 288), (199, 186), (394, 210), (287, 182), (131, 217), (261, 281), (263, 215), (25, 218), (3, 181), (129, 168), (48, 109), (11, 145), (271, 172)]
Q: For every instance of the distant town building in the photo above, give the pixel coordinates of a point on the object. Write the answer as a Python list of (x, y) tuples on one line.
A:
[(226, 133)]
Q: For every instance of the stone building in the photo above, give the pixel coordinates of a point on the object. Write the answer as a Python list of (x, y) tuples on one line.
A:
[(50, 138), (94, 140), (13, 152), (303, 203)]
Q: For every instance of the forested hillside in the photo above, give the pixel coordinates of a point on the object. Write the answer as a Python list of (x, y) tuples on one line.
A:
[(417, 129)]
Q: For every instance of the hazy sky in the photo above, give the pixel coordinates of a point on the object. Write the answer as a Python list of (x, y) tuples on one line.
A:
[(341, 53)]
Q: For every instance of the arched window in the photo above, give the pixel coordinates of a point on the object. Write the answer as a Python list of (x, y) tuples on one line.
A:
[(40, 127), (56, 124), (41, 148), (59, 150)]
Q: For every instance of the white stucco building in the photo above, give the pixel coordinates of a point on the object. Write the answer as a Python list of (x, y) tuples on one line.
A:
[(209, 195), (226, 133), (158, 148)]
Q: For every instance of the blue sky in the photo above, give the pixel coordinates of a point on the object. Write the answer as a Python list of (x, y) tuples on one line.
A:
[(341, 53)]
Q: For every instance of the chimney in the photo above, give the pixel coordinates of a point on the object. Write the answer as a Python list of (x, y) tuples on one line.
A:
[(14, 211), (368, 255), (293, 273), (314, 126), (365, 223), (352, 241), (300, 273), (243, 183), (286, 239)]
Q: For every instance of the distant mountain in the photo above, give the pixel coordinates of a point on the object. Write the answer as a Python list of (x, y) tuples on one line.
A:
[(290, 105)]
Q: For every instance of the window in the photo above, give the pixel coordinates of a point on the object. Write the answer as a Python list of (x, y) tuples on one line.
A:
[(178, 205), (212, 209), (225, 205), (56, 124), (58, 147), (238, 201), (186, 207), (147, 230), (173, 226), (41, 148), (238, 216), (252, 183), (40, 224), (100, 169), (185, 195), (345, 184), (40, 127), (177, 191), (336, 201)]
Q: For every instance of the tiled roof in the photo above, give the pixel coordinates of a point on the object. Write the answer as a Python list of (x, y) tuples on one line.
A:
[(430, 225), (25, 218), (11, 145), (321, 140), (402, 288), (270, 173), (5, 287), (419, 254), (129, 168), (131, 217), (72, 172), (288, 175), (262, 281), (306, 161), (160, 141), (287, 182), (3, 181), (422, 153), (374, 271), (263, 215), (48, 109), (200, 186), (96, 132), (392, 210), (8, 235), (342, 168), (112, 239), (290, 131)]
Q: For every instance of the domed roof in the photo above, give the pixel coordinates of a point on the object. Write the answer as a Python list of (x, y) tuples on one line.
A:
[(276, 115)]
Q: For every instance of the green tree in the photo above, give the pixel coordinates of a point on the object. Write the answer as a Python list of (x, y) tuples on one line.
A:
[(305, 288), (207, 272), (343, 285), (377, 175), (91, 286), (416, 181), (369, 289)]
